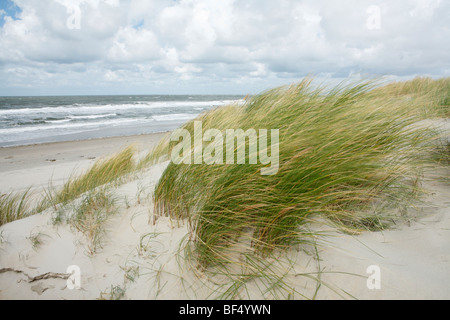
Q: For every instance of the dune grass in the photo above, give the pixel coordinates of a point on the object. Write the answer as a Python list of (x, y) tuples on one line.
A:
[(90, 215), (346, 154), (36, 239), (89, 197), (434, 95), (14, 206), (101, 173)]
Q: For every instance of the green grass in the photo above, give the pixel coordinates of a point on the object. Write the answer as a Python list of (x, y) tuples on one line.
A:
[(101, 173), (434, 95), (115, 293), (14, 206), (90, 215), (2, 238), (346, 155), (36, 239)]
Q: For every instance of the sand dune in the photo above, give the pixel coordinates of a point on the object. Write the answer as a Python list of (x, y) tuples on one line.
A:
[(139, 256)]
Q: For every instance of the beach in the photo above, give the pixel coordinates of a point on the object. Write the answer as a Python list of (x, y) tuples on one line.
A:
[(58, 160), (139, 257)]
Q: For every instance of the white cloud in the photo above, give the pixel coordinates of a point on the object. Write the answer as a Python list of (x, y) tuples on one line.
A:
[(131, 45), (206, 46), (424, 8), (111, 76)]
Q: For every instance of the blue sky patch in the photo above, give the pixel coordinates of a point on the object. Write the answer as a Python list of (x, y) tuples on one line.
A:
[(8, 9), (139, 24)]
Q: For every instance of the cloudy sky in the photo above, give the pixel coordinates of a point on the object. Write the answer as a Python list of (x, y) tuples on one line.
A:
[(53, 47)]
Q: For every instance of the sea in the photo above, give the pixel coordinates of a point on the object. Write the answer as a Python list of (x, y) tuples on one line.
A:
[(35, 120)]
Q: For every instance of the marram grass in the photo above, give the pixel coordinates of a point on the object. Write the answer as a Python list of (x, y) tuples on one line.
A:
[(101, 173), (345, 155), (14, 206), (90, 215), (433, 95)]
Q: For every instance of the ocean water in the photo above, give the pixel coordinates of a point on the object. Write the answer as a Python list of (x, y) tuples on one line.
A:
[(34, 120)]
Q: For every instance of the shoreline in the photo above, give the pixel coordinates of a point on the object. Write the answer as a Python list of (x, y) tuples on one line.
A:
[(32, 144)]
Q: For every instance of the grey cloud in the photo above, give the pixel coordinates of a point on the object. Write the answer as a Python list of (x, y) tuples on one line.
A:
[(230, 43)]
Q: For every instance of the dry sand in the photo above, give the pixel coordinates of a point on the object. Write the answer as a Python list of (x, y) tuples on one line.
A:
[(139, 257), (56, 161)]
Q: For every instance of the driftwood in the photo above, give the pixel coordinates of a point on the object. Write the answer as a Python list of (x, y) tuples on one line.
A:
[(45, 276)]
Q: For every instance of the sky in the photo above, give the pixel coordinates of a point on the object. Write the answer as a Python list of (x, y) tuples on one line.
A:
[(96, 47)]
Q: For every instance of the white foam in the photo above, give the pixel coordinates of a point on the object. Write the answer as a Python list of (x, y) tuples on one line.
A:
[(92, 116), (80, 125), (175, 117), (109, 108)]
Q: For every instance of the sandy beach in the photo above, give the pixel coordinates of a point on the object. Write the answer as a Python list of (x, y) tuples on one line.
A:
[(139, 256), (59, 159)]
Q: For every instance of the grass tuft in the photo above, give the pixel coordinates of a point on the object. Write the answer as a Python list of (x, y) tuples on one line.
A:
[(434, 95), (15, 206), (101, 173), (346, 154), (90, 215)]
